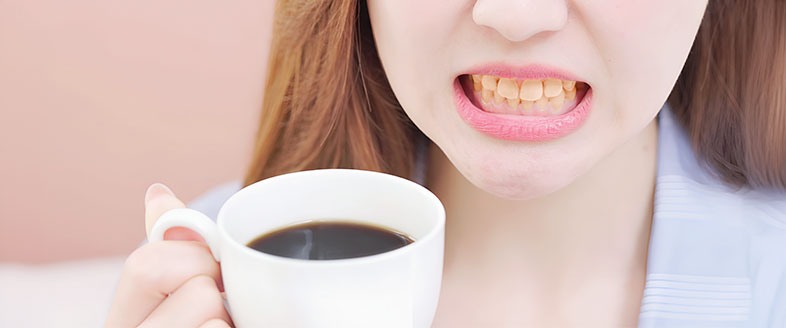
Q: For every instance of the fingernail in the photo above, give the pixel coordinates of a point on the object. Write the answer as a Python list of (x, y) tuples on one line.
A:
[(157, 190)]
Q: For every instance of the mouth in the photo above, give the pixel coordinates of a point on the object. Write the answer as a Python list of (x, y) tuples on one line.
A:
[(529, 104)]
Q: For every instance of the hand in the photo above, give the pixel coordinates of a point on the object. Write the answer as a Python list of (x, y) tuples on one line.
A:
[(172, 283)]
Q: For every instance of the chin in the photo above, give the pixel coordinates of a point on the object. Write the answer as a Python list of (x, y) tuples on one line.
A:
[(518, 183)]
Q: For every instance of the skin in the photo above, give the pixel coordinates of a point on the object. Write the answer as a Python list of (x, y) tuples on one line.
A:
[(539, 234)]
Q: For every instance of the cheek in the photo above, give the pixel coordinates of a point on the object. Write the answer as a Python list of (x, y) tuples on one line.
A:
[(644, 45), (415, 40)]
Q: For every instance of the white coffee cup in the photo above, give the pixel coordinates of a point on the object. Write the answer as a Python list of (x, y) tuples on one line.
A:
[(398, 288)]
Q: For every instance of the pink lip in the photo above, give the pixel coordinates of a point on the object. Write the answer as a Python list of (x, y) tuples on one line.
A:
[(521, 128)]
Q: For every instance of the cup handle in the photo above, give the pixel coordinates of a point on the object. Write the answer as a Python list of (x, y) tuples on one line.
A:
[(191, 219)]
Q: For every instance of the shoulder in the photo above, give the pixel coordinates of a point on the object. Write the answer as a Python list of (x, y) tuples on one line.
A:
[(724, 247), (684, 179), (211, 201)]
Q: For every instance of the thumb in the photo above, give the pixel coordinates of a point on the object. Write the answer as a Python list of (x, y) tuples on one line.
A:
[(159, 199)]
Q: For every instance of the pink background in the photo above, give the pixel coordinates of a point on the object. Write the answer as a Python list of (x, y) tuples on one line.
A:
[(100, 98)]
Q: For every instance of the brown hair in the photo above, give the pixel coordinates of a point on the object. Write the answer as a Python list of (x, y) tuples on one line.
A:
[(731, 94), (328, 103)]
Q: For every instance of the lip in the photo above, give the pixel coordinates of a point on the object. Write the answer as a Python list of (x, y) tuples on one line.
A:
[(521, 128)]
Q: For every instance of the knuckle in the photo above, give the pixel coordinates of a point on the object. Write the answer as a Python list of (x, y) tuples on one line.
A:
[(206, 291), (146, 266)]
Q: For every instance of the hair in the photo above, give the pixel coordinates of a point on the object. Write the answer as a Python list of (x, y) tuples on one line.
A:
[(731, 93), (328, 104)]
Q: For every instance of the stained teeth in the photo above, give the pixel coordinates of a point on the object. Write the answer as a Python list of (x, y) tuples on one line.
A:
[(552, 87), (498, 98), (476, 82), (542, 101), (489, 82), (531, 90), (557, 101), (486, 94), (547, 93), (568, 85), (570, 94), (508, 88), (513, 102)]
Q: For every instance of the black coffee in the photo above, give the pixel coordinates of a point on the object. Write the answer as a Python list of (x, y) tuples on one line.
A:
[(329, 240)]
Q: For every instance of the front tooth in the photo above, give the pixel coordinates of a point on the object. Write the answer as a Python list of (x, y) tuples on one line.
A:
[(568, 85), (513, 102), (531, 90), (527, 104), (489, 82), (542, 102), (476, 82), (486, 95), (557, 101), (498, 98), (508, 88), (552, 87), (570, 94)]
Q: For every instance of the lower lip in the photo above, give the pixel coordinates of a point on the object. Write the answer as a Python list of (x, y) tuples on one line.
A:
[(521, 128)]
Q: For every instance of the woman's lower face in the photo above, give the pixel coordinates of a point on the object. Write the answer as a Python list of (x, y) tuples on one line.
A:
[(501, 86)]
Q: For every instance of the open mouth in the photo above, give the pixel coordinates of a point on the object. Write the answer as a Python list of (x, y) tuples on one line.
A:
[(547, 97), (542, 105)]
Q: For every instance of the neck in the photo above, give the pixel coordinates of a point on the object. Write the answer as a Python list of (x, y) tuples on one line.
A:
[(597, 226)]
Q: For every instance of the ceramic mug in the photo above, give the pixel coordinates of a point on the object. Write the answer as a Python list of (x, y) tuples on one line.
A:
[(398, 288)]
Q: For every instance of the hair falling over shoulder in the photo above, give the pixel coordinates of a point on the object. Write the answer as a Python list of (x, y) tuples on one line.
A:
[(327, 102), (731, 94)]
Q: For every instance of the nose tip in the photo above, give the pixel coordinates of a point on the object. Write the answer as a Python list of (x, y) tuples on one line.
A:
[(518, 20)]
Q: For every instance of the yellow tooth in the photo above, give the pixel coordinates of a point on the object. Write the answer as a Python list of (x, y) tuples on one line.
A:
[(568, 85), (542, 102), (508, 88), (552, 87), (489, 82), (498, 98), (513, 102), (527, 104), (486, 95), (531, 90), (557, 101), (570, 94), (476, 82)]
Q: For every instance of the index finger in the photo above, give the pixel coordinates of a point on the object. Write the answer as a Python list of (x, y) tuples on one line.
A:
[(159, 199), (154, 271)]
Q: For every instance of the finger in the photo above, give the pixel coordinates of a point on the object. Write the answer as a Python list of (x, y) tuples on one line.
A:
[(192, 304), (215, 323), (152, 272), (159, 199)]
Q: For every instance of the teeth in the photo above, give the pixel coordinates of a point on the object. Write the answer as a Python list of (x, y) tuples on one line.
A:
[(552, 87), (570, 94), (476, 82), (489, 82), (568, 85), (513, 102), (557, 101), (498, 98), (547, 92), (486, 94), (542, 101), (531, 90), (508, 88)]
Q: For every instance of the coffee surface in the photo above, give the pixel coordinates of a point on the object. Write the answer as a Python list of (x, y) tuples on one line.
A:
[(329, 240)]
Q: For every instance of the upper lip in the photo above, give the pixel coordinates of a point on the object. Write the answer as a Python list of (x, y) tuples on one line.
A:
[(526, 72)]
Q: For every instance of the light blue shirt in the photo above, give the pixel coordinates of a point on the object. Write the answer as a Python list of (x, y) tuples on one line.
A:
[(717, 255)]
